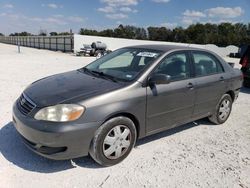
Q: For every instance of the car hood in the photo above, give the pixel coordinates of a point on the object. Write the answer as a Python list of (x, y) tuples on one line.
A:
[(67, 87)]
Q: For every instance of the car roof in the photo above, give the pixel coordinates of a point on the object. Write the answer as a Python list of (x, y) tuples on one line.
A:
[(165, 48)]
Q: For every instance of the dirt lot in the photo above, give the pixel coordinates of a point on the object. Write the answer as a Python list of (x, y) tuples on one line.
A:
[(198, 154)]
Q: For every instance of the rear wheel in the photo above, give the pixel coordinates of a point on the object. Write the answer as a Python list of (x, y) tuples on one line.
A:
[(223, 110), (113, 141), (98, 54)]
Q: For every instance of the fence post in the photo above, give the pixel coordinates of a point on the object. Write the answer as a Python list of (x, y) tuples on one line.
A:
[(71, 42), (49, 43), (43, 43), (18, 41), (64, 45), (38, 42), (56, 43)]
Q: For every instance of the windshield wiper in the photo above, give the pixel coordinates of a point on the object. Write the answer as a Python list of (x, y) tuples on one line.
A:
[(99, 74), (84, 69), (102, 74)]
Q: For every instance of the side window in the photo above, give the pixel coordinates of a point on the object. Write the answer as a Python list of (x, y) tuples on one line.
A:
[(206, 64), (176, 66)]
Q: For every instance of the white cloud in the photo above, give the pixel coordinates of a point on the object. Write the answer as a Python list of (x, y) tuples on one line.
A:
[(128, 9), (191, 16), (188, 20), (107, 9), (225, 12), (118, 9), (58, 16), (221, 21), (76, 19), (52, 5), (3, 14), (216, 15), (161, 1), (169, 25), (56, 21), (36, 19), (118, 3), (117, 16), (193, 13), (8, 6)]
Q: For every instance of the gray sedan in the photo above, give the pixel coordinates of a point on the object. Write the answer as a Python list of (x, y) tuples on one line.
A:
[(133, 92)]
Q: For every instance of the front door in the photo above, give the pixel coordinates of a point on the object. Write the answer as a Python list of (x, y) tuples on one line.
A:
[(173, 103)]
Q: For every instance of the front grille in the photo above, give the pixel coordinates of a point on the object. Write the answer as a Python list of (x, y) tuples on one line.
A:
[(25, 105)]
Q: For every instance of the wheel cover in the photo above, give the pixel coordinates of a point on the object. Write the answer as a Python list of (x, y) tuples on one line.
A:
[(117, 142), (99, 55), (224, 109)]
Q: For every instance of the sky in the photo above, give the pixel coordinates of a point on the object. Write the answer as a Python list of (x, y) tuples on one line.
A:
[(63, 15)]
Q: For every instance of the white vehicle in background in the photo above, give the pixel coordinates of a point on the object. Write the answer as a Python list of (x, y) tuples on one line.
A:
[(96, 49)]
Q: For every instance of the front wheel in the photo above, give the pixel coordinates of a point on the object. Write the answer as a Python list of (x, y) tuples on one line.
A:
[(113, 141), (223, 110)]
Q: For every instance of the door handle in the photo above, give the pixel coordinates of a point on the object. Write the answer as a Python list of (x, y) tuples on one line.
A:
[(221, 78), (190, 86)]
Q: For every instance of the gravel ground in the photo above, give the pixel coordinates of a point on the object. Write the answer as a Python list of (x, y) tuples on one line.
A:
[(197, 154)]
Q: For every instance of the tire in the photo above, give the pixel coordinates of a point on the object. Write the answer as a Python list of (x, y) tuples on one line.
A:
[(223, 110), (113, 141), (98, 54)]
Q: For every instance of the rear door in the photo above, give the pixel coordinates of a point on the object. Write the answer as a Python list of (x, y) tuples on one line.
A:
[(210, 82), (173, 103)]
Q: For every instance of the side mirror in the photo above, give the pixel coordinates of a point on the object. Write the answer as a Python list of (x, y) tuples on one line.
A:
[(159, 79)]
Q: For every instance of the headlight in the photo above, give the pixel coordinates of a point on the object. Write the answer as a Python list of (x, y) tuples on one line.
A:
[(60, 113)]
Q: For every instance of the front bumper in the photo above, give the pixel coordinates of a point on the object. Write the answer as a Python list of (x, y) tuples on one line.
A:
[(52, 140)]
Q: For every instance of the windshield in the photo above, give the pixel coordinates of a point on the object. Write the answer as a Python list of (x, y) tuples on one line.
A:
[(125, 64)]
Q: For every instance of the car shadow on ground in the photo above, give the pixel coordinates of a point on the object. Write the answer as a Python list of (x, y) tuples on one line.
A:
[(245, 90), (13, 149)]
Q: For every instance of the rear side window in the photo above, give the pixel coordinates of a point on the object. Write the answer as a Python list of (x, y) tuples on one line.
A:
[(206, 64)]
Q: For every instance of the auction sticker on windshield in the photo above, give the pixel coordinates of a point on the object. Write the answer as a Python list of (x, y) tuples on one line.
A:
[(147, 54)]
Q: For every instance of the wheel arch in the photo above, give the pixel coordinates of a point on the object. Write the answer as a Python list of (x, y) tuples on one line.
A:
[(130, 116), (232, 94)]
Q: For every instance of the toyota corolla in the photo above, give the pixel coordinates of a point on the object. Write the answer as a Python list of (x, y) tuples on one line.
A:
[(133, 92)]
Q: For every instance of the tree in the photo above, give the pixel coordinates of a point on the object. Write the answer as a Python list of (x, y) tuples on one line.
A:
[(1, 34), (42, 32), (64, 33), (222, 34), (196, 33), (24, 33), (179, 35), (53, 33), (107, 33), (88, 32), (160, 34), (141, 34), (211, 36), (241, 33)]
